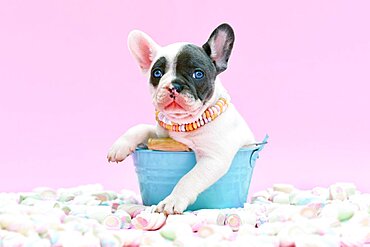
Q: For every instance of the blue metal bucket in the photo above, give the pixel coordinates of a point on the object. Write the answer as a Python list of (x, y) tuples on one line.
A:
[(159, 172)]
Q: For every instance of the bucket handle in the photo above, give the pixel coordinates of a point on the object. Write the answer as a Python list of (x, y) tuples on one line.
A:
[(255, 153)]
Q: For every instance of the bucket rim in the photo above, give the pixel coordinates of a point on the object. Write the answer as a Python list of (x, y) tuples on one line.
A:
[(258, 147)]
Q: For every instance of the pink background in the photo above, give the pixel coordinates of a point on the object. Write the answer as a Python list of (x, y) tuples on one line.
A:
[(299, 72)]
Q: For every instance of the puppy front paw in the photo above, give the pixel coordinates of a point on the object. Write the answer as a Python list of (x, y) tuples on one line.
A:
[(120, 150), (172, 204)]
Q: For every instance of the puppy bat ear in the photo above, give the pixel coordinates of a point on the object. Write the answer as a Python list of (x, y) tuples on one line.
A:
[(142, 48), (219, 46)]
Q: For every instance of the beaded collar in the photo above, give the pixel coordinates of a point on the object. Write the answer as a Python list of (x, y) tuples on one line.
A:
[(208, 116)]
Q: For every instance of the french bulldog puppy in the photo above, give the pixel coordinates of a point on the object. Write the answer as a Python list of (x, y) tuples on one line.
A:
[(184, 84)]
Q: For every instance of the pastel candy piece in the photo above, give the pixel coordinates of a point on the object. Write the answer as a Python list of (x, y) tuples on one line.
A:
[(351, 235), (97, 212), (247, 230), (328, 219), (289, 233), (259, 194), (61, 192), (168, 234), (261, 219), (236, 218), (178, 232), (129, 197), (129, 237), (308, 212), (103, 196), (335, 212), (16, 223), (65, 197), (35, 240), (234, 221), (215, 232), (211, 216), (189, 219), (108, 239), (206, 231), (338, 192), (282, 213), (10, 238), (31, 201), (260, 201), (112, 222), (149, 221), (360, 218), (46, 193), (303, 198), (88, 200), (282, 198), (125, 218), (321, 192), (132, 209), (38, 203), (43, 222), (150, 238), (70, 238), (270, 228), (53, 235), (345, 212), (287, 188), (362, 201), (30, 195), (349, 188)]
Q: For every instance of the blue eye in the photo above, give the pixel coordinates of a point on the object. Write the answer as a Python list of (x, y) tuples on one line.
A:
[(157, 73), (198, 74)]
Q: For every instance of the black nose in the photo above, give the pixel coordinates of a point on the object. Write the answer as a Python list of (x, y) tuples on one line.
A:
[(178, 87)]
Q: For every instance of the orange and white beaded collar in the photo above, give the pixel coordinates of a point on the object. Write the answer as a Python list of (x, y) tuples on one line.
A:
[(208, 116)]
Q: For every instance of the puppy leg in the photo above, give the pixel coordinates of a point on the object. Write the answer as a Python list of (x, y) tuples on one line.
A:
[(205, 173), (127, 143)]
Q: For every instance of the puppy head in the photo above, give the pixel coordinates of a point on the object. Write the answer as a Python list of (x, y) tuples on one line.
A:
[(182, 75)]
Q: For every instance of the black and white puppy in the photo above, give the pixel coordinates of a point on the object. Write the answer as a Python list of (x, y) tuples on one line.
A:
[(184, 83)]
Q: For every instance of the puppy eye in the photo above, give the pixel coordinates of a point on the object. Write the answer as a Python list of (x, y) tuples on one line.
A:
[(157, 73), (198, 74)]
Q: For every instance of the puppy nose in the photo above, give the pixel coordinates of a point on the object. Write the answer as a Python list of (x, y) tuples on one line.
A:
[(178, 87)]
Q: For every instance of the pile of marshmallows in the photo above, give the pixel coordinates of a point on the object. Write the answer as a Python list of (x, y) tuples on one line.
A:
[(279, 216)]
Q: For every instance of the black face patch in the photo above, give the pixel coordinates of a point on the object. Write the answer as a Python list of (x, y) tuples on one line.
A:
[(192, 58), (160, 64)]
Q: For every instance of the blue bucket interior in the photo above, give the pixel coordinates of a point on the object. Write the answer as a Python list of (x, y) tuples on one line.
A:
[(159, 171)]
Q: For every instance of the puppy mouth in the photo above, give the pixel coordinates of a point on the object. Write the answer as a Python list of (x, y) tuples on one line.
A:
[(176, 110), (174, 107), (179, 109)]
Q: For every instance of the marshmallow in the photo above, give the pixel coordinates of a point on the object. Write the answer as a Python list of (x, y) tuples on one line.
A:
[(286, 188), (179, 232), (125, 218), (289, 233), (132, 209), (149, 221), (282, 198), (112, 222), (215, 231), (189, 219), (338, 192), (90, 216), (322, 193), (46, 193), (212, 216), (235, 219)]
